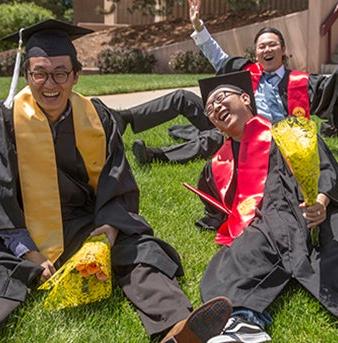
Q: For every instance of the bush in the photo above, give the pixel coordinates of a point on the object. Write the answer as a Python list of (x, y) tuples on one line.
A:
[(7, 61), (13, 17), (250, 54), (190, 62), (120, 60)]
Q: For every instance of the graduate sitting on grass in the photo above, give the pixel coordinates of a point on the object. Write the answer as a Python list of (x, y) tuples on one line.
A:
[(64, 176), (266, 233)]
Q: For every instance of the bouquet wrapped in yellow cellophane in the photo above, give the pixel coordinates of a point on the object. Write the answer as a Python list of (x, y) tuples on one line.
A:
[(296, 138), (84, 278)]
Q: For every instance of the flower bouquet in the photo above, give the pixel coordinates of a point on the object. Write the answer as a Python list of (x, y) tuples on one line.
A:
[(296, 138), (84, 278)]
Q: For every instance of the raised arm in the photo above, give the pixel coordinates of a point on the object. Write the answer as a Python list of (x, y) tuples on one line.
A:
[(202, 38)]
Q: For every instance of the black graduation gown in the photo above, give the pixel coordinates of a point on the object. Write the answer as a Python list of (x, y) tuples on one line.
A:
[(322, 91), (277, 246), (116, 201)]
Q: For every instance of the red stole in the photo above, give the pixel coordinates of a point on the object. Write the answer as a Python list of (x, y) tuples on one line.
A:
[(297, 89), (253, 165)]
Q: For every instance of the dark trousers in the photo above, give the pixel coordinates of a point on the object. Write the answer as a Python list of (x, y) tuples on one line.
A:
[(204, 145), (158, 299), (16, 276), (202, 140), (168, 107)]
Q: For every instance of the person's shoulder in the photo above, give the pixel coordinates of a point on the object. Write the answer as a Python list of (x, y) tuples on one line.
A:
[(232, 64), (109, 117)]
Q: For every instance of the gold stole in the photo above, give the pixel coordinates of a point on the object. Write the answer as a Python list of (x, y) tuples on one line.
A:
[(38, 169)]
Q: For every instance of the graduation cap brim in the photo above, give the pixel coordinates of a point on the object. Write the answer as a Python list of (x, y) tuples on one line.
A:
[(240, 79), (72, 31)]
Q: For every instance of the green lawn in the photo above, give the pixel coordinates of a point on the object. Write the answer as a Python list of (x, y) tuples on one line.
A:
[(120, 83), (171, 210)]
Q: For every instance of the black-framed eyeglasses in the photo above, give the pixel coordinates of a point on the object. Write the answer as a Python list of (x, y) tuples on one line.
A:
[(217, 99), (59, 77)]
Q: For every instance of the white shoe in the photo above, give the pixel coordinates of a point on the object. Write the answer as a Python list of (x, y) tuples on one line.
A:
[(240, 331)]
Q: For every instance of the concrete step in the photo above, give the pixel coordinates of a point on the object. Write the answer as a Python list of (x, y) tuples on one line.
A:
[(328, 68)]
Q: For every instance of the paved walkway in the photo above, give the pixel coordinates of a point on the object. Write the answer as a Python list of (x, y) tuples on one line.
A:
[(119, 101)]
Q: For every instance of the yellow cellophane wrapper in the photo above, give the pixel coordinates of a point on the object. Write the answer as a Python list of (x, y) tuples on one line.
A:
[(296, 138), (84, 278)]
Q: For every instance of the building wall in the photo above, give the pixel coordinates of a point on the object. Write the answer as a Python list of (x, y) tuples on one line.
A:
[(85, 11), (317, 47), (123, 16)]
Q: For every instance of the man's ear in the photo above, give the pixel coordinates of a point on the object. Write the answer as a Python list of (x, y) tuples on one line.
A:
[(76, 77), (246, 99)]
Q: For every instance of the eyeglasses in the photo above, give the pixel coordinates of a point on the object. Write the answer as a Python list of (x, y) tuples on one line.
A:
[(40, 77), (217, 99)]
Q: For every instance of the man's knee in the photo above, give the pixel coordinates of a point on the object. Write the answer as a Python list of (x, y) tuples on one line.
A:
[(185, 97)]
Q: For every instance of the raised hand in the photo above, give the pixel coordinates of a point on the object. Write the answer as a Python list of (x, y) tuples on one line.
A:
[(194, 13)]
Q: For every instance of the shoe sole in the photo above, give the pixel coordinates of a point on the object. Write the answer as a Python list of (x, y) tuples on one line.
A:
[(204, 323), (247, 338)]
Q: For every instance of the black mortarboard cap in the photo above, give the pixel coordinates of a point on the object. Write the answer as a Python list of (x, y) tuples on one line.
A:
[(49, 38), (238, 81)]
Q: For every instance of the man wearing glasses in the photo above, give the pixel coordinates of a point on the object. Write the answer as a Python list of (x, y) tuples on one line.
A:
[(64, 176), (264, 231)]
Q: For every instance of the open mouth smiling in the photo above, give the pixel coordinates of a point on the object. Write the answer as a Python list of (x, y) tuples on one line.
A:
[(51, 94), (224, 115), (268, 58)]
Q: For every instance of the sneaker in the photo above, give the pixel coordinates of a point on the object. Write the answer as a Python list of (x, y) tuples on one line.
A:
[(202, 324), (240, 331), (142, 154)]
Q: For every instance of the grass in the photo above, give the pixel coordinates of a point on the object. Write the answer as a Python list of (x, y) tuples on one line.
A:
[(171, 210), (119, 83)]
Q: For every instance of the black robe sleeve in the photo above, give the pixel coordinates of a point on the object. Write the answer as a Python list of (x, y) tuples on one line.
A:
[(232, 64), (327, 183), (11, 214), (117, 196), (323, 92)]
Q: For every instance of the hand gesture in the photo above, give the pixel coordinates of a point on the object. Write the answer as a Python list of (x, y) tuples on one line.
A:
[(194, 13)]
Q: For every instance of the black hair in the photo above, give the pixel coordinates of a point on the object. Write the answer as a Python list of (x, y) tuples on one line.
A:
[(270, 30)]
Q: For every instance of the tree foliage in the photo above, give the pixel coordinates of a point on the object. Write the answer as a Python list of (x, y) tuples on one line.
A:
[(15, 16), (61, 9)]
